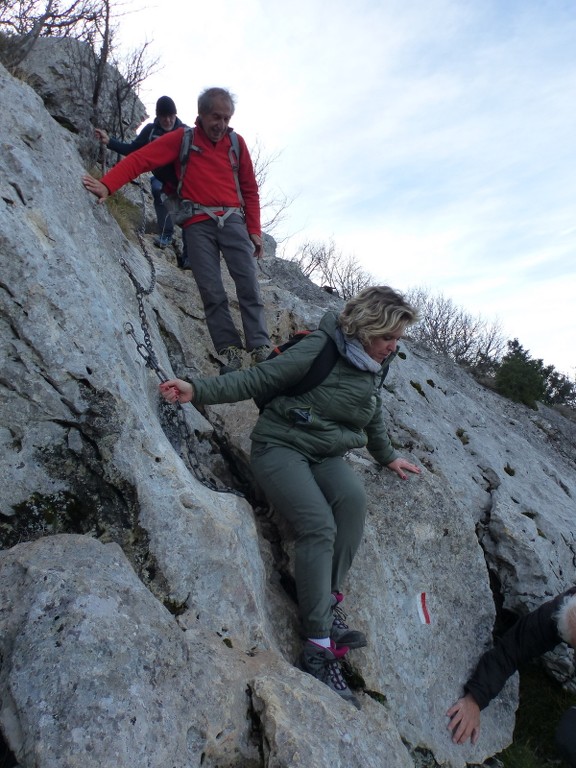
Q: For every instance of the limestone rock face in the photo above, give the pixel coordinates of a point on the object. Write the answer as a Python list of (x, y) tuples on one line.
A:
[(61, 72), (82, 628), (144, 585)]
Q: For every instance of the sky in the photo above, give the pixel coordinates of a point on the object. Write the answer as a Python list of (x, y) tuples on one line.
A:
[(434, 141)]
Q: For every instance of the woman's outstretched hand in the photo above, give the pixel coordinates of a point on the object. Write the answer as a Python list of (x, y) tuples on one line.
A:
[(399, 465), (177, 391)]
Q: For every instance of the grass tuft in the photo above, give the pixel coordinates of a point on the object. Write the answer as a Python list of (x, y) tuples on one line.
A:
[(128, 215)]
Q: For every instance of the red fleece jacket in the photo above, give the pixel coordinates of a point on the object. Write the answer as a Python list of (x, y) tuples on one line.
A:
[(209, 179)]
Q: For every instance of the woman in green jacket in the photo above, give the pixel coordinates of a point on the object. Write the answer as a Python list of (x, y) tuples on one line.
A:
[(298, 448)]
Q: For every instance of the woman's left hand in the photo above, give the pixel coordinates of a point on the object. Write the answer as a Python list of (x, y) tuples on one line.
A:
[(177, 391), (400, 464)]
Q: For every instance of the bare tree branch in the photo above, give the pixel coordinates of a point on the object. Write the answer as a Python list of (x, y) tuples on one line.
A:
[(449, 329), (273, 202), (92, 22), (328, 267)]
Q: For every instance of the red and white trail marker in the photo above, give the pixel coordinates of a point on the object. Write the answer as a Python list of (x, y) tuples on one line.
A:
[(423, 611)]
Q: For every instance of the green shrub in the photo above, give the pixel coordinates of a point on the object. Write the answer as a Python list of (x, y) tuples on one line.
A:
[(462, 435), (520, 378)]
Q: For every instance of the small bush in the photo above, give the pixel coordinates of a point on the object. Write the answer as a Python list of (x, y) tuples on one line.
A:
[(462, 435), (418, 387)]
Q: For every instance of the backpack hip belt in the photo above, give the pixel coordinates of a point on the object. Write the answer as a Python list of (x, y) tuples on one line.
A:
[(211, 210), (181, 209)]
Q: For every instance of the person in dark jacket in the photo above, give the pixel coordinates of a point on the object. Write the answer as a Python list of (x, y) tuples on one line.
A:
[(298, 447), (166, 120), (534, 634)]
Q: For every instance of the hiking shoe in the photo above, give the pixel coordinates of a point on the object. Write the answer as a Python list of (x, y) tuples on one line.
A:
[(341, 634), (322, 663), (182, 263), (163, 241), (233, 357), (259, 354)]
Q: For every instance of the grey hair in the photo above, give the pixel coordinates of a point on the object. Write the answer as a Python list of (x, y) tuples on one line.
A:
[(374, 312), (566, 620), (206, 99)]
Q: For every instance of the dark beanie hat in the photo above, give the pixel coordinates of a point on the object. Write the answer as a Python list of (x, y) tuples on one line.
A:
[(165, 106)]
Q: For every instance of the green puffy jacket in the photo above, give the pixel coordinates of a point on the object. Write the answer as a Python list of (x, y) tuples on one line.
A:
[(343, 412)]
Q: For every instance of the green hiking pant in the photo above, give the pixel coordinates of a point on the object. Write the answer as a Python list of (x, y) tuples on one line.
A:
[(325, 504)]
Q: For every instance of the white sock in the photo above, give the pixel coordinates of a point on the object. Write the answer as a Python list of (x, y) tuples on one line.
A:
[(323, 641)]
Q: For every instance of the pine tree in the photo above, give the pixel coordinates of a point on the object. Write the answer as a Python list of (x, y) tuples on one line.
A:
[(519, 377)]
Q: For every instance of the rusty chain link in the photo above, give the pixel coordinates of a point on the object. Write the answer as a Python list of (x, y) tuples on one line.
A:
[(146, 352)]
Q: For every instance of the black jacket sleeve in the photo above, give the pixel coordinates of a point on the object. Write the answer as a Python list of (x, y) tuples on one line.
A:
[(125, 148), (531, 636)]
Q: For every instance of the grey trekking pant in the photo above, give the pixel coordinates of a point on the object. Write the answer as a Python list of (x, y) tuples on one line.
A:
[(204, 243), (325, 504)]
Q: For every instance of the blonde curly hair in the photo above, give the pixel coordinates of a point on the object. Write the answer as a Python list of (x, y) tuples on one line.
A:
[(374, 312)]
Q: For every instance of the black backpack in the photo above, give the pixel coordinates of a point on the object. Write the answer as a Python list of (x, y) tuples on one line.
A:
[(166, 173), (320, 368)]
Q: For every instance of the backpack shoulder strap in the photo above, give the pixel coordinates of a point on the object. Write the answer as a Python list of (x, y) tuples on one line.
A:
[(321, 366), (386, 368), (319, 369), (186, 146), (234, 148), (152, 134), (234, 155)]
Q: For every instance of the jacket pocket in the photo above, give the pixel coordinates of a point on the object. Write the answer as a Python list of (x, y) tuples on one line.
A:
[(300, 416)]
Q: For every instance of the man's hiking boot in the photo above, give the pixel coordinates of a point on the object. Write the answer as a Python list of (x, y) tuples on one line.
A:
[(233, 357), (323, 664), (341, 634), (259, 354), (163, 241)]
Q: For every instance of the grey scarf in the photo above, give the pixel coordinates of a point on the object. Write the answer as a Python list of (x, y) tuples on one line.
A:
[(356, 355)]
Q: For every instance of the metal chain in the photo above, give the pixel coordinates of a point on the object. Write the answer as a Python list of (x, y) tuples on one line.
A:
[(103, 148), (146, 352)]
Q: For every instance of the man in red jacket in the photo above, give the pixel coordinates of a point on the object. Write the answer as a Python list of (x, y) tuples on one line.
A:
[(531, 636), (225, 220)]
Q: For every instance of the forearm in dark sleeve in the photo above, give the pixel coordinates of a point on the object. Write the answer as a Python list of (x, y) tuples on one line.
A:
[(530, 637)]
